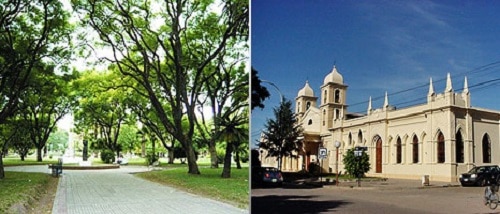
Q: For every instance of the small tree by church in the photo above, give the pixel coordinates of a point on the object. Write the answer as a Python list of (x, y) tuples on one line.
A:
[(281, 136), (355, 166)]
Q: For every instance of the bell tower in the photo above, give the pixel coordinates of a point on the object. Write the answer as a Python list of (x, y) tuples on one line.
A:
[(305, 99), (333, 99)]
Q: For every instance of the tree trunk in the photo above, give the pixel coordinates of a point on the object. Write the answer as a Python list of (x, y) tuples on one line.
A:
[(226, 172), (171, 155), (237, 160), (22, 157), (191, 158), (143, 148), (39, 154), (2, 172), (214, 162)]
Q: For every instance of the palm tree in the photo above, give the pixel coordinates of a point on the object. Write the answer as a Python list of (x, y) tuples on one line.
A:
[(234, 131)]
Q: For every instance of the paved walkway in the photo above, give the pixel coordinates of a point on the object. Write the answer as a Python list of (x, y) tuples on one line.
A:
[(118, 191)]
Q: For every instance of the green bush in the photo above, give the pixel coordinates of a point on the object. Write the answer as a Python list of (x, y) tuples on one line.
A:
[(355, 166), (151, 158), (107, 156)]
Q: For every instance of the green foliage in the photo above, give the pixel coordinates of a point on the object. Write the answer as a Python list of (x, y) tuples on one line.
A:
[(282, 133), (354, 165), (107, 156), (151, 158), (58, 140)]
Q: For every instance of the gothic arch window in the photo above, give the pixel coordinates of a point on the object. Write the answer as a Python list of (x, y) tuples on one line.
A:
[(337, 114), (398, 150), (440, 148), (308, 104), (325, 94), (459, 148), (298, 107), (486, 149), (324, 116), (415, 149), (350, 138), (360, 137), (310, 122), (337, 96)]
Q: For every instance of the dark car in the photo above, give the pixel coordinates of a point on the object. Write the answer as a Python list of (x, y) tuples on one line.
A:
[(266, 176), (480, 175)]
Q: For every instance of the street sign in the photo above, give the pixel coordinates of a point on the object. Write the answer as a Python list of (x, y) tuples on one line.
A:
[(322, 153)]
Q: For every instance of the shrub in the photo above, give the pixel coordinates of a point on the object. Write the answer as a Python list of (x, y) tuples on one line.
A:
[(355, 166), (107, 156), (151, 158)]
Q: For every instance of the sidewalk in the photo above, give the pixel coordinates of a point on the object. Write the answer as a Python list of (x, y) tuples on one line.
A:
[(118, 191), (376, 184)]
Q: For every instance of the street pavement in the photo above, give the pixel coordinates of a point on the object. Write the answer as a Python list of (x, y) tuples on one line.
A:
[(390, 196), (119, 191)]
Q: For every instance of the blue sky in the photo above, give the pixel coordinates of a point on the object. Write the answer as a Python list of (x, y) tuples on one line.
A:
[(377, 46)]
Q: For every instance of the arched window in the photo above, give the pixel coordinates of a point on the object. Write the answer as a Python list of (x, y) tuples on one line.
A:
[(298, 107), (324, 116), (415, 149), (398, 150), (337, 96), (310, 122), (350, 138), (459, 149), (325, 94), (308, 104), (360, 137), (440, 148), (337, 114), (486, 149)]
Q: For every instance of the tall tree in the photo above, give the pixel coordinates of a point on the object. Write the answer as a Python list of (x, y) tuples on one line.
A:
[(103, 108), (281, 136), (44, 103), (166, 46), (31, 32), (259, 92)]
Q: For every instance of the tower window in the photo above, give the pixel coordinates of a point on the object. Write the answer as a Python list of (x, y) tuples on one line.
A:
[(310, 122), (308, 104), (337, 96)]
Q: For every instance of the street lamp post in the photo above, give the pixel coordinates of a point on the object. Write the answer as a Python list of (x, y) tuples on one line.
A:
[(337, 145)]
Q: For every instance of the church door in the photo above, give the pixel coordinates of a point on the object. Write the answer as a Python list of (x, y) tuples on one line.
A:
[(378, 161)]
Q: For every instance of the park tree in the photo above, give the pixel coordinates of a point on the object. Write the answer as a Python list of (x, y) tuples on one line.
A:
[(281, 135), (226, 95), (44, 103), (58, 140), (102, 109), (166, 47), (32, 33), (234, 133), (259, 92)]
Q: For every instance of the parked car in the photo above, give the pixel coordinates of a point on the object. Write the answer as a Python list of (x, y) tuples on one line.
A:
[(266, 176), (480, 175)]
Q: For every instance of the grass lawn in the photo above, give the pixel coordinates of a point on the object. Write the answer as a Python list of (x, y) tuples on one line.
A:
[(234, 190), (23, 190)]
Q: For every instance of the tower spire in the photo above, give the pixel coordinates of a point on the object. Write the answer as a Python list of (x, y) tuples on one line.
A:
[(386, 101), (466, 86), (431, 88), (369, 105), (449, 88)]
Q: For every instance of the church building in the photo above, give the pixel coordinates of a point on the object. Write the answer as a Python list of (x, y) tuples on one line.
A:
[(442, 138)]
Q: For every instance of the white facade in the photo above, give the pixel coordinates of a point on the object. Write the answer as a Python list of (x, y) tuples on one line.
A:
[(441, 138)]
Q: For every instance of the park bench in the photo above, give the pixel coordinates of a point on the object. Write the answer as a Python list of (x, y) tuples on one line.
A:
[(56, 168)]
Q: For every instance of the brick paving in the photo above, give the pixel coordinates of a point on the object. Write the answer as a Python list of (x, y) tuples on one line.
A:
[(118, 191)]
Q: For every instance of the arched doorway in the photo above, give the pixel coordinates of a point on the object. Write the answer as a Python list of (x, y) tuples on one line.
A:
[(378, 155)]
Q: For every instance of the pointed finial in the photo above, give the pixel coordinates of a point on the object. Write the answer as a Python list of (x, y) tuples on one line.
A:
[(386, 101), (431, 88), (466, 86), (369, 104), (448, 88)]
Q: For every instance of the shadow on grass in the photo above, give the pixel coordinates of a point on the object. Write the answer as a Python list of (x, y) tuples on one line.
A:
[(293, 204)]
